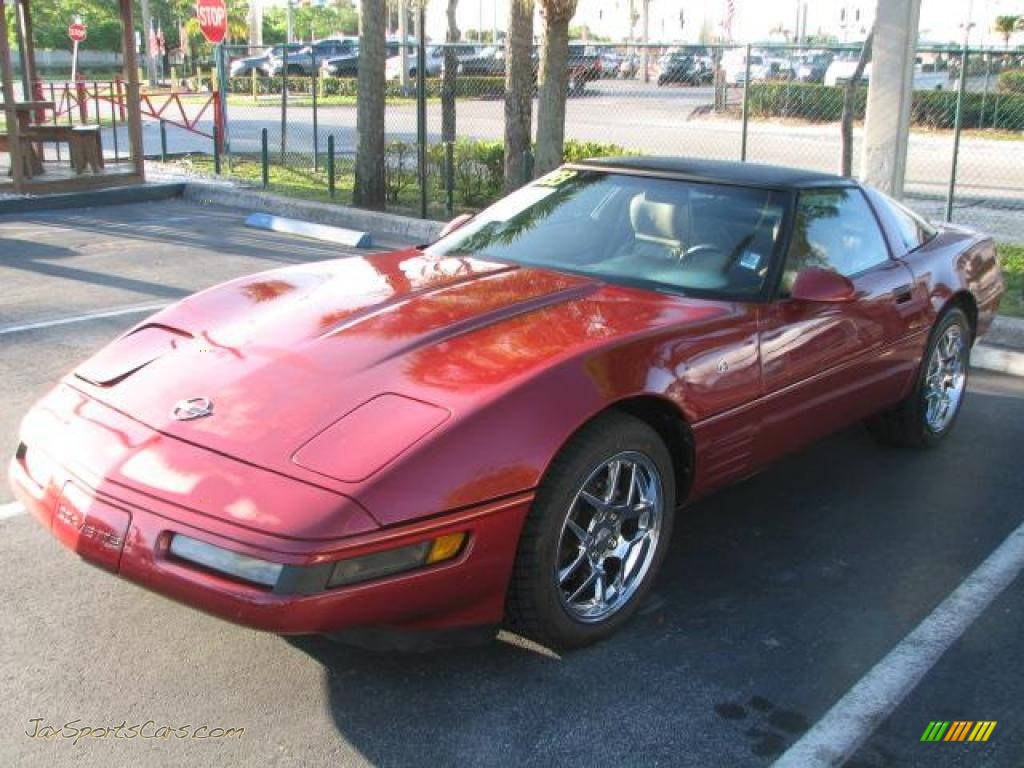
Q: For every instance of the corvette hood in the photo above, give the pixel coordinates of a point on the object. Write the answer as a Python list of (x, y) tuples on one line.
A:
[(283, 354)]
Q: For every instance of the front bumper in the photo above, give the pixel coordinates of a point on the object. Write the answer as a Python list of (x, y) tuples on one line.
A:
[(127, 531)]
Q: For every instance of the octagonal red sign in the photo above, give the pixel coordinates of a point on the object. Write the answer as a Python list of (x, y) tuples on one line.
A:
[(213, 19), (77, 32)]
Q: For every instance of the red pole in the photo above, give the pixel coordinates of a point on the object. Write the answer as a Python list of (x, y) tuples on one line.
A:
[(120, 99), (37, 95), (83, 99), (218, 120)]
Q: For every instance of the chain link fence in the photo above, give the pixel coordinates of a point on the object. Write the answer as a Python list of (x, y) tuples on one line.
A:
[(291, 118)]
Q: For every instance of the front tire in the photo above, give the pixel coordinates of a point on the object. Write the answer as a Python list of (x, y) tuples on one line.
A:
[(596, 534), (928, 414)]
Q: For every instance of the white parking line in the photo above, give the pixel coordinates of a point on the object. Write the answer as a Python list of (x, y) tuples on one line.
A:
[(12, 509), (133, 310), (834, 738)]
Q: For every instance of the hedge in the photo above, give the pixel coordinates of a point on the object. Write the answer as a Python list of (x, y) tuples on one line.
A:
[(930, 109), (1012, 81), (465, 87)]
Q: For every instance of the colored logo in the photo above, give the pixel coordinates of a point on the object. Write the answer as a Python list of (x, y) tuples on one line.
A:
[(958, 730)]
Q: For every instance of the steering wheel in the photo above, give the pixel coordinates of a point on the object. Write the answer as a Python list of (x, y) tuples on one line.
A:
[(699, 249)]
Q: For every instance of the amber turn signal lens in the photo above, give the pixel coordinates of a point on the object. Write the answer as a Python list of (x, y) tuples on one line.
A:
[(445, 547)]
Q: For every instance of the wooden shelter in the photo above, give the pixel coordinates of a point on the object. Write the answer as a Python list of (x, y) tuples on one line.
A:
[(32, 126)]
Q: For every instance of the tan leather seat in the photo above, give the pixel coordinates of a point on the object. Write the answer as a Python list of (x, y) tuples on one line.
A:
[(656, 229)]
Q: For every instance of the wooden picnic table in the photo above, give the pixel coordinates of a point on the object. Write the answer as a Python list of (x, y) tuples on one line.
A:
[(24, 111)]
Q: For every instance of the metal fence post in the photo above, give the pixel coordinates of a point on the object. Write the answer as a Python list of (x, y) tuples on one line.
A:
[(449, 177), (316, 130), (284, 102), (746, 105), (163, 141), (957, 123), (527, 166), (330, 164), (216, 151), (421, 110), (225, 87), (113, 121), (264, 158)]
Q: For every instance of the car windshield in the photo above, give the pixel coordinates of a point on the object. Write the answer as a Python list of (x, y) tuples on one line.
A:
[(680, 236)]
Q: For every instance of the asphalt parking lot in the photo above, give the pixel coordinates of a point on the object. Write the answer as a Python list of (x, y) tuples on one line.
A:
[(778, 596)]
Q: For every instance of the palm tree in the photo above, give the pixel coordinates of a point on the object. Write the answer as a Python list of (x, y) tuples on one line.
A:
[(555, 84), (370, 189), (518, 91), (1006, 26)]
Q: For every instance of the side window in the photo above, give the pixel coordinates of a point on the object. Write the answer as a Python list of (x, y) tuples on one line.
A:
[(834, 229), (914, 231)]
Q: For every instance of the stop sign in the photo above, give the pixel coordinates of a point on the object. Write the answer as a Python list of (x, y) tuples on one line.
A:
[(213, 19), (77, 32)]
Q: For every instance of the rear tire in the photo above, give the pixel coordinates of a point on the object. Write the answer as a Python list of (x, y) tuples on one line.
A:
[(596, 536), (929, 412)]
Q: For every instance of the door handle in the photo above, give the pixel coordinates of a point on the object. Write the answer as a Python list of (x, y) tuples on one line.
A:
[(903, 294)]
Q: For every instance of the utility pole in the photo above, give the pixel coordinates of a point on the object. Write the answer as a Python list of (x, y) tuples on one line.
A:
[(147, 41), (645, 23), (256, 22), (290, 36), (887, 123)]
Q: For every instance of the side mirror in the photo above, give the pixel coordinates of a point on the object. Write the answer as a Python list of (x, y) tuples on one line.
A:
[(454, 224), (822, 286)]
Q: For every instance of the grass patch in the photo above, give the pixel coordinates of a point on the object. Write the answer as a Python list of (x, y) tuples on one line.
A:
[(307, 184), (1011, 257)]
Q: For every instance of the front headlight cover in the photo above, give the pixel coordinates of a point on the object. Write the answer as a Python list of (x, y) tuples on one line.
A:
[(225, 561)]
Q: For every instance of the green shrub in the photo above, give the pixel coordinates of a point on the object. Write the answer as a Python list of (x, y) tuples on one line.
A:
[(465, 87), (929, 109), (399, 168), (574, 150), (1012, 81)]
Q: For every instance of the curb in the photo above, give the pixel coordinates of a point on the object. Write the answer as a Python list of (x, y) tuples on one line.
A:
[(998, 359), (379, 223), (132, 193)]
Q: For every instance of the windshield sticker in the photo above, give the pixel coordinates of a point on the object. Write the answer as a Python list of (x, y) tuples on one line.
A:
[(751, 260)]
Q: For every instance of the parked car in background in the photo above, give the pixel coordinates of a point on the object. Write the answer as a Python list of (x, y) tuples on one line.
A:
[(629, 66), (683, 68), (735, 65), (778, 68), (610, 62), (841, 70), (260, 63), (499, 428), (811, 67), (348, 65), (584, 66), (311, 57), (434, 60), (487, 62)]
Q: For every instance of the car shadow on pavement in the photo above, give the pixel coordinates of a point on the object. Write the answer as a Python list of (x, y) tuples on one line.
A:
[(778, 594)]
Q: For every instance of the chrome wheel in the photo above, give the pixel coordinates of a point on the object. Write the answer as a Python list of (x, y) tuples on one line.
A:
[(609, 536), (945, 380)]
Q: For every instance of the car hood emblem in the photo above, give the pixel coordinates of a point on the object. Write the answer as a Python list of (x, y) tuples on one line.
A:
[(192, 408)]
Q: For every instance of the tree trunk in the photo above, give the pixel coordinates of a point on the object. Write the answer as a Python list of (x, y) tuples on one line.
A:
[(555, 84), (849, 108), (518, 91), (370, 190), (451, 66)]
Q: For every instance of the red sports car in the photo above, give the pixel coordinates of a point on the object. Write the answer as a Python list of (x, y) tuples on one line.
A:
[(500, 427)]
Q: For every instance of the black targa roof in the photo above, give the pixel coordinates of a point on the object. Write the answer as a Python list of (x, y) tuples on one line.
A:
[(722, 171)]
